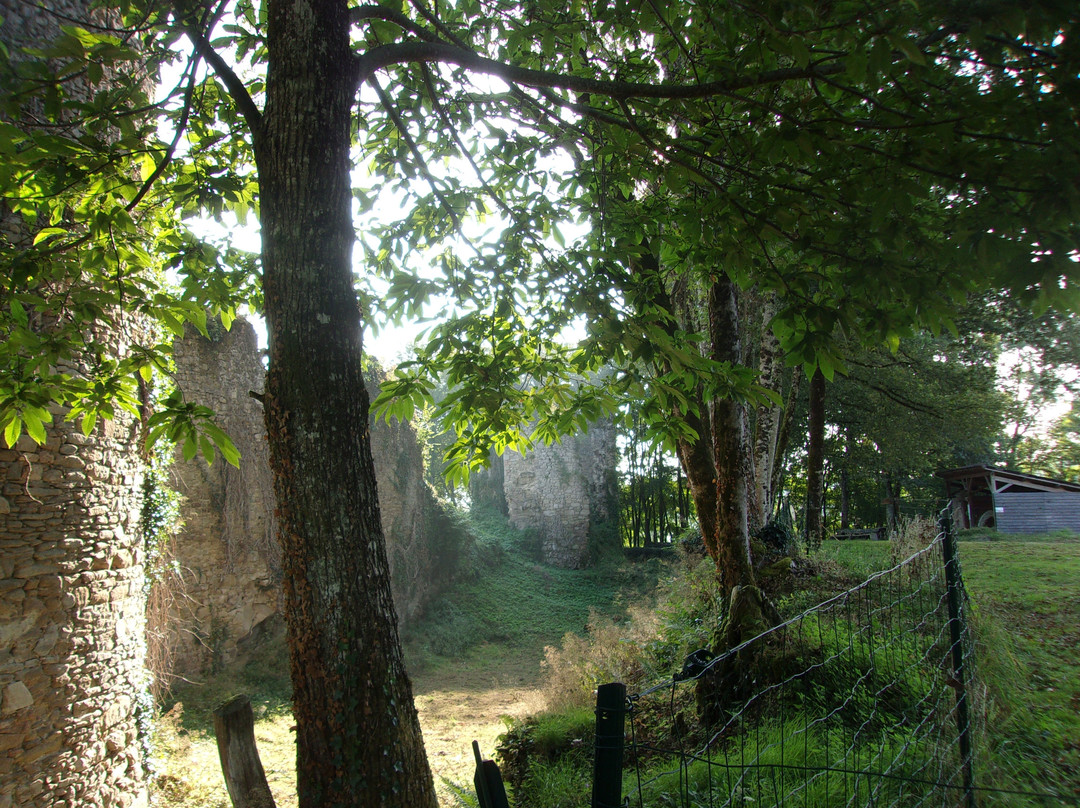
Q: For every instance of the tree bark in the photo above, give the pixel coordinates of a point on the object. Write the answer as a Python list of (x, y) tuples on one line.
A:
[(815, 460), (767, 422), (245, 779), (783, 436), (845, 486), (358, 736), (698, 463), (731, 452)]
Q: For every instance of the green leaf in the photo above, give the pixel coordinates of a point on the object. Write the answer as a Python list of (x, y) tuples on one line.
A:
[(89, 421), (12, 430), (32, 418)]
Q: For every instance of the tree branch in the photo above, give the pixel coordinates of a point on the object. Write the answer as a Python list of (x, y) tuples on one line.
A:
[(235, 86), (399, 124), (384, 56)]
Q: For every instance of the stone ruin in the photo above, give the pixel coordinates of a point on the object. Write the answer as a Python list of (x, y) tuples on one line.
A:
[(72, 622), (226, 556), (566, 491), (72, 618)]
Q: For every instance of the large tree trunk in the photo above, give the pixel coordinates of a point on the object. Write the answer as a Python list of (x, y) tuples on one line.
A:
[(698, 463), (815, 461), (358, 737), (731, 451)]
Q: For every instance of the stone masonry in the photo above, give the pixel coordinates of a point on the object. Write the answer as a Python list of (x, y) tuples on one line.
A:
[(563, 491), (72, 625), (227, 553), (228, 579)]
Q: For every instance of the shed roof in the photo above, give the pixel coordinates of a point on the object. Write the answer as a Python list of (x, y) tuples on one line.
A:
[(1004, 480)]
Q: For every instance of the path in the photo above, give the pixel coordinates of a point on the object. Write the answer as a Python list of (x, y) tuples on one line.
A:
[(465, 700)]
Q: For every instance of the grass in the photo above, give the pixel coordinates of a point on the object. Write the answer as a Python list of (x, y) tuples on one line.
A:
[(186, 769), (512, 602), (1025, 602), (1025, 595), (496, 619)]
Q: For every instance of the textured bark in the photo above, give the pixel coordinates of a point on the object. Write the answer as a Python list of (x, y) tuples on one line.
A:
[(245, 779), (730, 445), (767, 422), (815, 460), (845, 487), (358, 737), (698, 463), (783, 436)]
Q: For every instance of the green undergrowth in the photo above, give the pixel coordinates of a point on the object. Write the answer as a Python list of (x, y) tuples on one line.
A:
[(504, 605), (1024, 599), (1025, 603), (505, 598)]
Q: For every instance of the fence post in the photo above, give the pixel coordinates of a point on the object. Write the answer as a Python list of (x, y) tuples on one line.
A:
[(610, 734), (957, 630)]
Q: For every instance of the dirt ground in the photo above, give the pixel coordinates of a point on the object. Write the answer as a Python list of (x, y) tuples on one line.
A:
[(462, 702)]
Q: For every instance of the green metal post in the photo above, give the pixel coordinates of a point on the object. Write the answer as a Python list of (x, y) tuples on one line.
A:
[(610, 734)]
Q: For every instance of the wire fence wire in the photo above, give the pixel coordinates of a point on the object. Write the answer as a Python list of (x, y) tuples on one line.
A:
[(859, 701)]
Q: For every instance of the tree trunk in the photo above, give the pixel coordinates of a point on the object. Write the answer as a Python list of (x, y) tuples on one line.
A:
[(358, 737), (815, 461), (845, 485), (892, 503), (731, 452), (784, 436), (697, 461), (767, 422)]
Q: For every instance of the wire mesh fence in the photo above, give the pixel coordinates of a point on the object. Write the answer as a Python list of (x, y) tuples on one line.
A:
[(859, 701)]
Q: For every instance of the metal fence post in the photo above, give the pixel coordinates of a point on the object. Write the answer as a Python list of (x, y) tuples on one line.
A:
[(954, 593), (608, 755)]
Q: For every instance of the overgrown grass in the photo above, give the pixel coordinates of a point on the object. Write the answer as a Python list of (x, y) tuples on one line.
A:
[(509, 606), (186, 769), (1026, 603), (1025, 599), (510, 600)]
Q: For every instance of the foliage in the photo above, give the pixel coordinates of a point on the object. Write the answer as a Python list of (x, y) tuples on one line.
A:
[(869, 165), (546, 758), (90, 231)]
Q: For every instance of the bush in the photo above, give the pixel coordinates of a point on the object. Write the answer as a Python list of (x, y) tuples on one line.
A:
[(547, 757)]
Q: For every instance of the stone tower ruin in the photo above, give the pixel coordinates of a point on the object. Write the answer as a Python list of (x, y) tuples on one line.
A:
[(72, 628), (565, 491)]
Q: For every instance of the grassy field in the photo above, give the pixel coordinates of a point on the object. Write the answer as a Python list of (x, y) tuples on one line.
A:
[(478, 657), (1025, 602)]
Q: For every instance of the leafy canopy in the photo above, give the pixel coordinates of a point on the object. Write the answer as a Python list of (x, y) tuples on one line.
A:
[(871, 164)]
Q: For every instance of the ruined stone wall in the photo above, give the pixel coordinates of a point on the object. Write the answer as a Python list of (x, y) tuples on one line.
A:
[(228, 572), (72, 628), (227, 554), (422, 545), (564, 491)]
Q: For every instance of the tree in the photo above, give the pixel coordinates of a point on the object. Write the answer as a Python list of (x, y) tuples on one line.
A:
[(869, 199), (818, 156)]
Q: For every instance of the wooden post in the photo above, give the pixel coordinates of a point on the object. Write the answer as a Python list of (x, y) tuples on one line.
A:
[(234, 726)]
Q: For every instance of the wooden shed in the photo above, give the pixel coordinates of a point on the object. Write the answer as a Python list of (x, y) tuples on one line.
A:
[(1011, 501)]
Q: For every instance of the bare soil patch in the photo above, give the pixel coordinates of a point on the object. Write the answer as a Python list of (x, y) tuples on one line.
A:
[(466, 700)]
